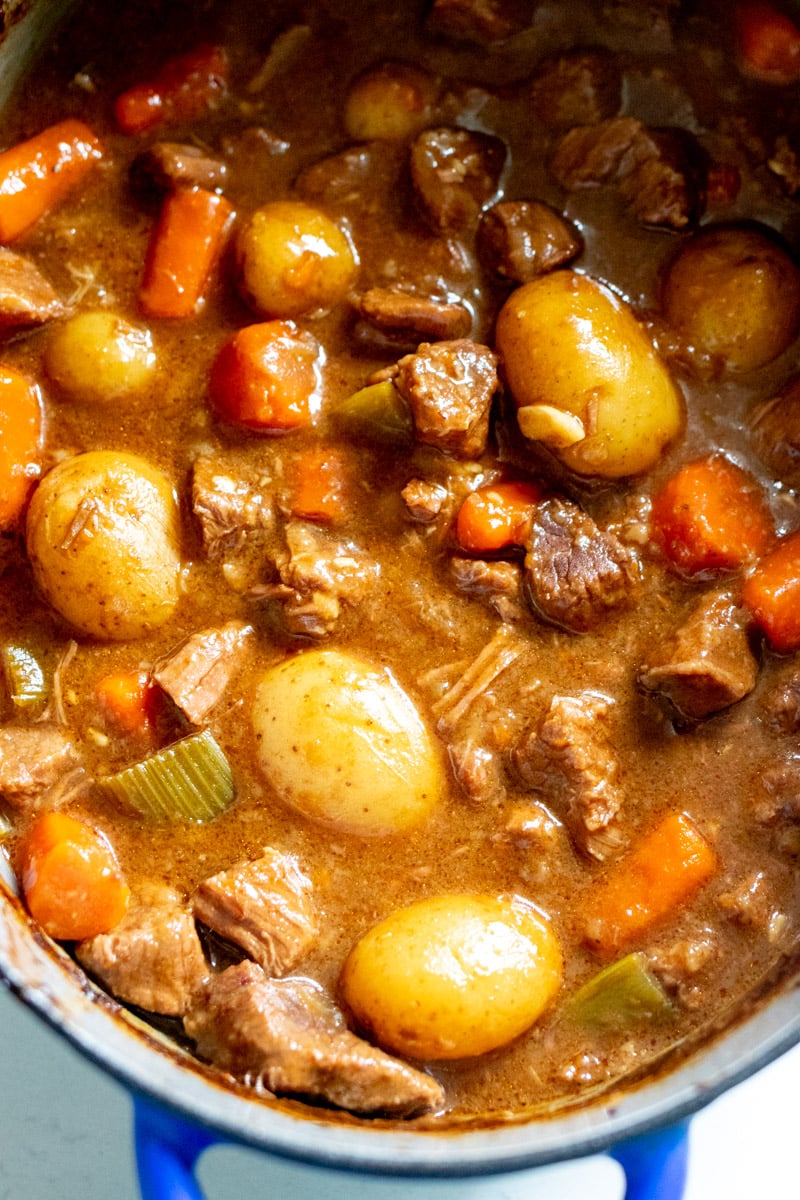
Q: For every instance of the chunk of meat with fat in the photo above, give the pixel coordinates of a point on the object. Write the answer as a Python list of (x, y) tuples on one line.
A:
[(285, 1035), (196, 673), (484, 22), (265, 906), (455, 173), (449, 388), (27, 298), (153, 958), (522, 239), (33, 758), (579, 87)]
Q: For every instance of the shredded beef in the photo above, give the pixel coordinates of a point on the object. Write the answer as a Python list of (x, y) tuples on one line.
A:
[(449, 387), (522, 239), (455, 172)]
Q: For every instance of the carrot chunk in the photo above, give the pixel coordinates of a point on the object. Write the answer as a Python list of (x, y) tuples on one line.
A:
[(185, 244), (266, 377), (36, 174), (71, 879), (659, 875), (129, 698), (711, 516), (185, 88), (319, 486), (497, 516), (772, 593), (20, 442), (767, 42)]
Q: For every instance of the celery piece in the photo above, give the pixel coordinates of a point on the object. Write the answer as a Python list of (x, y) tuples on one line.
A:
[(624, 992), (24, 677), (377, 411), (190, 780)]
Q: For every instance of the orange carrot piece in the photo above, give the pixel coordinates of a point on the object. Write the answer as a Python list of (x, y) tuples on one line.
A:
[(497, 516), (36, 174), (772, 593), (185, 244), (659, 875), (20, 442), (712, 516), (767, 42), (129, 699), (184, 89), (71, 879), (319, 486), (266, 377)]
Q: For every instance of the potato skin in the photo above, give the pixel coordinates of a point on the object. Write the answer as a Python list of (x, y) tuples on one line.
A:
[(344, 745), (567, 341), (98, 357), (102, 537), (453, 976), (733, 294)]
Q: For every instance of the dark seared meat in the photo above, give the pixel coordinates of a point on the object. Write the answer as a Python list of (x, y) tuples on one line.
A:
[(520, 239), (153, 958), (33, 758), (706, 665), (481, 21), (776, 434), (780, 705), (401, 312), (230, 505), (196, 674), (455, 172), (26, 297), (477, 771), (589, 155), (362, 175), (579, 87), (570, 761), (576, 572), (667, 186), (449, 387), (285, 1035), (498, 583), (423, 500), (265, 906), (165, 166)]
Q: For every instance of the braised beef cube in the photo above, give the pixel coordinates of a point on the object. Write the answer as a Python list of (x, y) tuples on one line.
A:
[(456, 173), (750, 902), (165, 166), (521, 239), (706, 665), (400, 312), (579, 87), (26, 297), (285, 1035), (589, 155), (229, 505), (364, 175), (780, 706), (153, 958), (776, 434), (667, 187), (678, 966), (265, 906), (496, 582), (482, 21), (569, 760), (477, 771), (423, 500), (449, 387), (33, 758), (576, 572), (777, 791), (196, 673)]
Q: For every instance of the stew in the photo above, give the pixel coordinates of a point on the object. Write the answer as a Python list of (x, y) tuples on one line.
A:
[(399, 439)]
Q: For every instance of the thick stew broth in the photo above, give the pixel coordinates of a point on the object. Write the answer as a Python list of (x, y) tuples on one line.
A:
[(563, 738)]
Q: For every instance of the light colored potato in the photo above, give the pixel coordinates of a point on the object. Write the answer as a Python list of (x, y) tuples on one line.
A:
[(568, 342), (453, 976), (98, 357), (391, 101), (734, 295), (343, 744), (291, 259), (102, 537)]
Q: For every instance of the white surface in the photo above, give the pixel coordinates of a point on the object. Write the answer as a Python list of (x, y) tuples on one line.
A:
[(65, 1134)]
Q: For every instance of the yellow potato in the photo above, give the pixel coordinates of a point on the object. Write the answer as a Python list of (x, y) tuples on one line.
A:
[(453, 976), (569, 343), (98, 357), (343, 744), (102, 537), (391, 101)]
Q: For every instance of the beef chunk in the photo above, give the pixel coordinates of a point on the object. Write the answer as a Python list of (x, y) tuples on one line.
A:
[(33, 758), (575, 571), (423, 500), (483, 21), (678, 965), (521, 239), (284, 1034), (26, 297), (265, 906), (196, 673), (667, 185), (363, 176), (777, 791), (402, 313), (776, 434), (580, 87), (153, 958), (780, 706), (165, 166), (749, 903), (449, 387), (706, 665), (784, 162), (455, 173), (498, 583), (477, 771), (589, 155), (570, 761), (230, 505)]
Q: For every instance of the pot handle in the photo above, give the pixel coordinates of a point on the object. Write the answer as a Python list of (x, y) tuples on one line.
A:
[(168, 1146)]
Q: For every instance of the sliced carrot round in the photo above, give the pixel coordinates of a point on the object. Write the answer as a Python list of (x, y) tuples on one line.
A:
[(20, 442)]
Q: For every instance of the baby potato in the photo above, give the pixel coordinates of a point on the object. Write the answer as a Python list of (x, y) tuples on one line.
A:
[(343, 744), (102, 536), (292, 259), (570, 346), (734, 295), (99, 357), (453, 976), (392, 101)]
